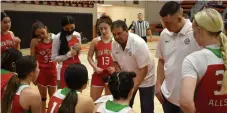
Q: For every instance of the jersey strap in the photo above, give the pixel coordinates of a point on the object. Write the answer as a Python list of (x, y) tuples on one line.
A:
[(65, 91), (3, 71), (110, 105)]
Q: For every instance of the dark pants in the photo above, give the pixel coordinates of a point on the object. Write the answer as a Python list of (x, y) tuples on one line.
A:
[(144, 38), (168, 107), (146, 99)]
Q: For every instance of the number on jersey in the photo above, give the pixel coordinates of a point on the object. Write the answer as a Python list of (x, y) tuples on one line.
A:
[(105, 60)]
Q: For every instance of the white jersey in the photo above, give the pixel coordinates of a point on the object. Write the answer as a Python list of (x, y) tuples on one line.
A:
[(104, 98), (108, 107)]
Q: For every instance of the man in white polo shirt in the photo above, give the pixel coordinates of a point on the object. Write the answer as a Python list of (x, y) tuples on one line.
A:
[(131, 53), (176, 42)]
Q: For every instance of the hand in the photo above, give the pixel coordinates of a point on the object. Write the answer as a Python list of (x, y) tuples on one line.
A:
[(73, 52), (16, 40), (98, 70), (158, 94), (77, 47), (111, 70)]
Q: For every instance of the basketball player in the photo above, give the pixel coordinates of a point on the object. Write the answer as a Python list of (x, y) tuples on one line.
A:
[(66, 46), (19, 97), (121, 86), (8, 40), (204, 83), (69, 99), (8, 59), (40, 47), (102, 47)]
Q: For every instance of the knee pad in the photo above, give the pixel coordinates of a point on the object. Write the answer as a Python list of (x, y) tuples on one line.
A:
[(44, 99)]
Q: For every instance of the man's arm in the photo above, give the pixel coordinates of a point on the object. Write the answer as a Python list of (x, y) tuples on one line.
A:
[(143, 59), (140, 75), (133, 27), (148, 30), (117, 67)]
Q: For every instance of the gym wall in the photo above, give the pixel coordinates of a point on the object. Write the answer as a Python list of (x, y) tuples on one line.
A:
[(23, 15)]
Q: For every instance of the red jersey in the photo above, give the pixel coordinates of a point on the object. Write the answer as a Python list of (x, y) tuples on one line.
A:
[(5, 76), (74, 59), (56, 100), (6, 42), (103, 54), (207, 96), (16, 107), (43, 52)]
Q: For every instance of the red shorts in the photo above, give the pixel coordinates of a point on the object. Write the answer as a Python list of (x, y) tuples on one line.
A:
[(98, 79), (47, 77)]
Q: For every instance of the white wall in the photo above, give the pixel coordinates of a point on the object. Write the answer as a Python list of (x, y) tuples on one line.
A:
[(151, 8), (46, 8), (121, 12)]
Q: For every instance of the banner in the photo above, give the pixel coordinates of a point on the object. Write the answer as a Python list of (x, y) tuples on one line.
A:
[(69, 3)]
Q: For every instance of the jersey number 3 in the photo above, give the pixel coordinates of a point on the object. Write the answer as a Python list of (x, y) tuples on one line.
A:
[(218, 73)]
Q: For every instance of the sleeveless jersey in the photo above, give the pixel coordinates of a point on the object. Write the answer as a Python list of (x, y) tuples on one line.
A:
[(5, 77), (103, 54), (74, 59), (43, 53), (111, 107), (56, 100), (6, 42), (16, 107), (207, 97)]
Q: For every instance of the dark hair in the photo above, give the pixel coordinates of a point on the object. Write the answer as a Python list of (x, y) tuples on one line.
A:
[(64, 47), (9, 57), (118, 24), (35, 26), (76, 76), (169, 8), (105, 19), (120, 84), (24, 66), (3, 15), (139, 14)]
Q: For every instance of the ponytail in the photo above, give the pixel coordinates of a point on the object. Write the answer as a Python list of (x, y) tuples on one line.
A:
[(223, 40), (69, 103), (64, 47), (12, 87)]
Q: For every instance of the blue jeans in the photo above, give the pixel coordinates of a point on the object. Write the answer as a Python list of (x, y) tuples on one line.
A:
[(146, 99)]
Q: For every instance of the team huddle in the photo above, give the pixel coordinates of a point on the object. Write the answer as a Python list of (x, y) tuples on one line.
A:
[(191, 72)]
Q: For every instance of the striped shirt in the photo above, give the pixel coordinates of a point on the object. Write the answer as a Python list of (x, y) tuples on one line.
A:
[(140, 28)]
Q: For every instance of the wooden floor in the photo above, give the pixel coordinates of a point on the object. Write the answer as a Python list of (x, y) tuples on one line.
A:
[(83, 58)]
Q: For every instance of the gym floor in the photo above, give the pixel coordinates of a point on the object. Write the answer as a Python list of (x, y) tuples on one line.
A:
[(83, 57)]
